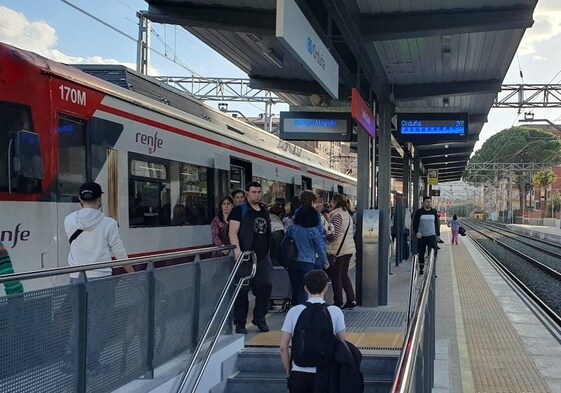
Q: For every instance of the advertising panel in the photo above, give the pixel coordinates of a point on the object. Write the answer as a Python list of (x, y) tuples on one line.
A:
[(362, 114)]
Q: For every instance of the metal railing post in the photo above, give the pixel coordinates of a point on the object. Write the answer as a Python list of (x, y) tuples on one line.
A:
[(196, 305), (151, 308), (82, 330)]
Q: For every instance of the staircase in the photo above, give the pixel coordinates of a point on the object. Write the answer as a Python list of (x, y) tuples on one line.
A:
[(259, 370)]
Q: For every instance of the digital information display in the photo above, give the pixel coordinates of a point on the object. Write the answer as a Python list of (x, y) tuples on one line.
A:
[(315, 126), (432, 127)]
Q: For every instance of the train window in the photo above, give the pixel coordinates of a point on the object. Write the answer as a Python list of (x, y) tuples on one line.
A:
[(13, 118), (237, 177), (273, 190), (149, 191), (148, 169), (194, 201), (306, 183), (102, 135), (71, 155)]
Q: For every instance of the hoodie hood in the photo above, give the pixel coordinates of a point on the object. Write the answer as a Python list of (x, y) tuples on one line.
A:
[(86, 218)]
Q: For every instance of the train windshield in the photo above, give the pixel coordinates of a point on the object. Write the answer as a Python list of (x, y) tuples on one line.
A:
[(13, 118)]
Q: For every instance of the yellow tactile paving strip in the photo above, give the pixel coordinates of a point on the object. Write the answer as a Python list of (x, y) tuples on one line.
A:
[(499, 361), (369, 340)]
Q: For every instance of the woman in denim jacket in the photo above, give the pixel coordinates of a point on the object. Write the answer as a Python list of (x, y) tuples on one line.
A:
[(309, 243)]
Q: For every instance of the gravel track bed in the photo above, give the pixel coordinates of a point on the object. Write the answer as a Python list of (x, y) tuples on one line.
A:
[(542, 284), (537, 243)]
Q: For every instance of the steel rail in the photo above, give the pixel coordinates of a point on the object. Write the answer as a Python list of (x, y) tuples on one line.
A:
[(526, 257), (117, 263)]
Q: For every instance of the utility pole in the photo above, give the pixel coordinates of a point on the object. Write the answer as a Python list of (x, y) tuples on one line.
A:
[(143, 44)]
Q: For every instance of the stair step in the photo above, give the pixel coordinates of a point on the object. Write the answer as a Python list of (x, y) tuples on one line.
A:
[(273, 382), (268, 360)]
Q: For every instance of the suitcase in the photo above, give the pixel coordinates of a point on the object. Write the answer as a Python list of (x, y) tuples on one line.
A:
[(281, 295)]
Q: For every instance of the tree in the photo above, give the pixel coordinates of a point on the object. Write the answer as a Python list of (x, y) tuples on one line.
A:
[(544, 178), (512, 145), (554, 204)]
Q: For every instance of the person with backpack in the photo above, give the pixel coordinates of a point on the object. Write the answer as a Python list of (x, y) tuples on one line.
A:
[(310, 246), (313, 329), (455, 227), (426, 226), (250, 230)]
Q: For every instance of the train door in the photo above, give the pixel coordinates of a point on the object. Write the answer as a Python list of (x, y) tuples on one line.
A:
[(306, 183), (72, 168), (240, 173)]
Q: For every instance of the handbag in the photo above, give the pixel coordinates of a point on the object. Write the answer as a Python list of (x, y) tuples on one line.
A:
[(332, 258)]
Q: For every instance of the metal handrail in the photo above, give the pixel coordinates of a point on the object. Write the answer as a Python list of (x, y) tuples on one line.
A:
[(405, 366), (246, 256), (412, 288), (117, 263)]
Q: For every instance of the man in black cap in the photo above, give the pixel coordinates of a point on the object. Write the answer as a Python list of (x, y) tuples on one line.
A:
[(94, 238)]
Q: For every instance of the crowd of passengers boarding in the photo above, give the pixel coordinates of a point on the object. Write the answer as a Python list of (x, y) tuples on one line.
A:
[(320, 235)]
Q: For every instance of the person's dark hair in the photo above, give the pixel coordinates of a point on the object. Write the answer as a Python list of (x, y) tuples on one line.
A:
[(455, 217), (224, 198), (307, 198), (340, 201), (426, 197), (315, 281), (307, 217), (294, 204), (236, 192), (281, 201), (252, 184), (277, 209)]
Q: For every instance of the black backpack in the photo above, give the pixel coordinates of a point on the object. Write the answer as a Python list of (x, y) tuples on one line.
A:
[(462, 231), (287, 251), (313, 341)]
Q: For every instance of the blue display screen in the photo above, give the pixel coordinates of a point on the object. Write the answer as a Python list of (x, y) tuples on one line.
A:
[(432, 127), (438, 127)]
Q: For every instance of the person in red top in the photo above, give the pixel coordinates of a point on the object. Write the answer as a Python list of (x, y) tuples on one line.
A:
[(219, 225)]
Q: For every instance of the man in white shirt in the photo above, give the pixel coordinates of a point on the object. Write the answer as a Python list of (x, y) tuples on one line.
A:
[(93, 238), (302, 379)]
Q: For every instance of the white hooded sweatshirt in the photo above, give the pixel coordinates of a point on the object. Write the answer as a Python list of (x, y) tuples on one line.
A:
[(98, 242)]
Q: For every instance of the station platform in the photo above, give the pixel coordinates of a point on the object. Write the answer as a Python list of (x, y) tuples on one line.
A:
[(552, 234), (487, 337)]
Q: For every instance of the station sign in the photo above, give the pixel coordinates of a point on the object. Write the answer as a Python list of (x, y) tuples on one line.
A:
[(362, 114), (300, 39), (432, 177), (429, 128), (315, 126)]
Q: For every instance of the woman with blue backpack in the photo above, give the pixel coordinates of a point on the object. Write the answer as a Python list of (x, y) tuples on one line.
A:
[(310, 246)]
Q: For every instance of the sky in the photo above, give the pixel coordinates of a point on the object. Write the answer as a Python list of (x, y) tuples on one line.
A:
[(56, 30)]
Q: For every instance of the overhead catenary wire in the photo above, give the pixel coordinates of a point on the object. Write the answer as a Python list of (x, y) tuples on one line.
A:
[(125, 34)]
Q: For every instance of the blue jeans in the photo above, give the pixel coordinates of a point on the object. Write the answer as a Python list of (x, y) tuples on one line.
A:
[(296, 272)]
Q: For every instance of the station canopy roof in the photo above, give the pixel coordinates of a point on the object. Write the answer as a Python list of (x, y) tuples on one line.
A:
[(421, 55)]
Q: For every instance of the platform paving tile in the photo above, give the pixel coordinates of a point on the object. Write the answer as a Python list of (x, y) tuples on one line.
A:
[(498, 357)]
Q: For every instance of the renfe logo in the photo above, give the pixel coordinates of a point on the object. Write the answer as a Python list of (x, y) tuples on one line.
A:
[(153, 142), (312, 50), (14, 236)]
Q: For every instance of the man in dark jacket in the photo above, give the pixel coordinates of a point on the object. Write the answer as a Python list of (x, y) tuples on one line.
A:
[(250, 230), (426, 226)]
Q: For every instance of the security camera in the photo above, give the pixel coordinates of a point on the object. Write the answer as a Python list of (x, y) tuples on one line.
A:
[(223, 106)]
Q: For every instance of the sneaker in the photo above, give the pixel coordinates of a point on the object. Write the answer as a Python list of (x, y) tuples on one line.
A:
[(262, 326), (349, 306), (241, 329)]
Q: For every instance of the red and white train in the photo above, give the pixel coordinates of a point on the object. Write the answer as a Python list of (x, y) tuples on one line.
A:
[(162, 158)]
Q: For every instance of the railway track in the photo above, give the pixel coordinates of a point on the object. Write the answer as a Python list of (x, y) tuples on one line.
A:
[(534, 265)]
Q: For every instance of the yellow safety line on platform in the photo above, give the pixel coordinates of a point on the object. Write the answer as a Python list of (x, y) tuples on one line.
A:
[(369, 340), (468, 385)]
